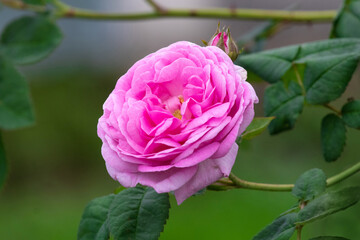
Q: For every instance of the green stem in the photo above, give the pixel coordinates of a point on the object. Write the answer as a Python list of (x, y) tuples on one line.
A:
[(260, 186), (254, 14), (17, 4), (65, 11), (155, 6), (300, 227), (343, 175), (239, 183)]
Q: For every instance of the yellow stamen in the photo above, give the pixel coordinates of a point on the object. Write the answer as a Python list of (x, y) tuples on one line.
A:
[(181, 99), (177, 114)]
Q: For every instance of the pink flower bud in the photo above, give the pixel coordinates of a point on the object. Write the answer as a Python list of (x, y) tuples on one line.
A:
[(224, 41)]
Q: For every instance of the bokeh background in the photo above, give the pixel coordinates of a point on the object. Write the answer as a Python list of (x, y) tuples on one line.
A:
[(56, 166)]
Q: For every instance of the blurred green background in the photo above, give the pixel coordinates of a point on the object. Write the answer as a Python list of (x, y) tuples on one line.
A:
[(56, 167)]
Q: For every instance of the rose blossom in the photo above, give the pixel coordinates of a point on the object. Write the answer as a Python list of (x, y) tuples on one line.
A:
[(172, 119)]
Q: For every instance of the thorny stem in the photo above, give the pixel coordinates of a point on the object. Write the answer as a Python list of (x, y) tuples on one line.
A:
[(235, 182), (63, 10)]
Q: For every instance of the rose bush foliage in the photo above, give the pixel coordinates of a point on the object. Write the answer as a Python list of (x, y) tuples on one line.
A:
[(172, 120)]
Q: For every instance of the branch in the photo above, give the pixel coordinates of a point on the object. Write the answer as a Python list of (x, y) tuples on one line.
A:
[(225, 184), (63, 10), (18, 4), (254, 14), (156, 6)]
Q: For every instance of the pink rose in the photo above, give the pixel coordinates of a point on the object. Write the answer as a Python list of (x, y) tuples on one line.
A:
[(172, 119)]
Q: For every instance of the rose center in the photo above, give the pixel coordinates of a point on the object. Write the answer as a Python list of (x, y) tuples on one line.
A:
[(173, 104)]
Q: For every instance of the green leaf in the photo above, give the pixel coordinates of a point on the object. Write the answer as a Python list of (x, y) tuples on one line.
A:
[(329, 66), (347, 22), (329, 203), (333, 137), (351, 114), (281, 228), (269, 65), (30, 39), (93, 224), (329, 238), (15, 107), (138, 213), (310, 184), (3, 165), (256, 127), (285, 104)]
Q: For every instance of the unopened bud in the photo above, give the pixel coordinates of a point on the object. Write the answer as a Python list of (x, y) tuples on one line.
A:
[(223, 40)]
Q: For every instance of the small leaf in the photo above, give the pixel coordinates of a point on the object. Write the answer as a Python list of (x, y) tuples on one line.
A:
[(93, 224), (329, 203), (281, 228), (30, 39), (333, 137), (329, 238), (3, 165), (256, 127), (138, 213), (310, 184), (285, 104), (15, 106), (347, 22), (351, 114)]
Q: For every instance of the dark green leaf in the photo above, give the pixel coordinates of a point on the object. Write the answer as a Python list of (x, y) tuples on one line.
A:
[(93, 224), (30, 39), (138, 213), (3, 165), (329, 238), (329, 66), (351, 114), (326, 79), (347, 22), (329, 203), (281, 228), (310, 184), (256, 127), (285, 104), (15, 106), (333, 137), (269, 65)]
